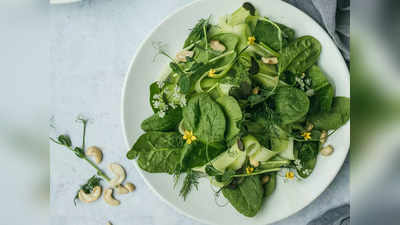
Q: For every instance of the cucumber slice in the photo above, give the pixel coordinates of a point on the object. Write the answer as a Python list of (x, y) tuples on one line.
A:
[(263, 155), (288, 152), (226, 158), (251, 145), (238, 163)]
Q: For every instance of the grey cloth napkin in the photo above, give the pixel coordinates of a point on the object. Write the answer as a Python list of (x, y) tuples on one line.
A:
[(334, 16), (336, 216)]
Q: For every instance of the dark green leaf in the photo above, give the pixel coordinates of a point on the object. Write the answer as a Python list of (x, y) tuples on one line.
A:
[(154, 90), (335, 118), (299, 55), (254, 67), (158, 152), (198, 154), (268, 33), (291, 104), (205, 118), (65, 140), (247, 198), (169, 122), (79, 152), (249, 7)]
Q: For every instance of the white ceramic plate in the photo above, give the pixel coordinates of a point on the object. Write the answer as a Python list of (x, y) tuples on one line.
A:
[(289, 197)]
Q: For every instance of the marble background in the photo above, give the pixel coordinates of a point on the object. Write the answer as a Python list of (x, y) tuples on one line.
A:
[(92, 43)]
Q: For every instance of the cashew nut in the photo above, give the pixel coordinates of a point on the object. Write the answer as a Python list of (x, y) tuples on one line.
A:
[(323, 137), (217, 46), (254, 163), (91, 197), (121, 190), (119, 173), (265, 179), (309, 126), (109, 223), (181, 56), (326, 151), (95, 152), (109, 199), (131, 187), (270, 60)]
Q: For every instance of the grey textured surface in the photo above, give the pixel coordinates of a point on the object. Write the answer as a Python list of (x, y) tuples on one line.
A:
[(92, 43)]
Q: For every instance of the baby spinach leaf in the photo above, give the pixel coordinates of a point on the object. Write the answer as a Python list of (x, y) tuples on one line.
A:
[(268, 33), (335, 118), (240, 15), (198, 154), (158, 152), (197, 32), (205, 118), (270, 186), (288, 34), (184, 83), (307, 153), (233, 115), (291, 104), (299, 55), (154, 90), (167, 123), (324, 92), (247, 198)]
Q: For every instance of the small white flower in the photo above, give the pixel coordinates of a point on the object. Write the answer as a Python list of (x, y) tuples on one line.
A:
[(157, 96), (156, 104), (161, 114), (160, 83), (310, 92)]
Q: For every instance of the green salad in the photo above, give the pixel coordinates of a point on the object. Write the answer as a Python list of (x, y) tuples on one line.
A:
[(244, 104)]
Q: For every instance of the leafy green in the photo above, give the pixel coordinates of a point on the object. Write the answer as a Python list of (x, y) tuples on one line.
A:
[(291, 104), (233, 115), (197, 32), (268, 33), (324, 92), (65, 140), (299, 55), (335, 118), (154, 90), (205, 118), (191, 181), (270, 186), (288, 34), (167, 123), (184, 83), (307, 153), (88, 186), (240, 15), (198, 154), (158, 152), (247, 198)]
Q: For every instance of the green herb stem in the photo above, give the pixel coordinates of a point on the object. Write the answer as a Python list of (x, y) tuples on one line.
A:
[(257, 173)]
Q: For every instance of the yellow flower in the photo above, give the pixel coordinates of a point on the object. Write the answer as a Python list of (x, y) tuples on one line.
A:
[(189, 137), (249, 170), (211, 73), (251, 40), (289, 175), (306, 135)]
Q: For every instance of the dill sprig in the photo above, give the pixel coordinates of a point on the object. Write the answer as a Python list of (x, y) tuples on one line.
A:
[(191, 180)]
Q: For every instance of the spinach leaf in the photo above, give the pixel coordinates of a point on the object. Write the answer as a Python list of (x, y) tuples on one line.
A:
[(154, 90), (299, 55), (198, 154), (197, 32), (167, 123), (335, 118), (288, 34), (268, 33), (324, 92), (184, 83), (307, 153), (270, 186), (291, 104), (233, 115), (158, 152), (247, 198), (205, 118)]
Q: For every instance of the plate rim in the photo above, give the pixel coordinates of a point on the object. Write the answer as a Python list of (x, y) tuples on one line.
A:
[(123, 116)]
